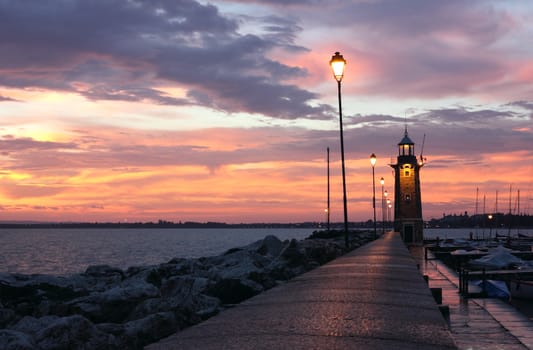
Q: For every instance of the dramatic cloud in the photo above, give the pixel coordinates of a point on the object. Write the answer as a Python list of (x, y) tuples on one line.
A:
[(195, 110), (124, 50)]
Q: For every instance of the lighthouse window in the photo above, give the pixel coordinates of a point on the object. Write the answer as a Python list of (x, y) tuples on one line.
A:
[(407, 197), (406, 172)]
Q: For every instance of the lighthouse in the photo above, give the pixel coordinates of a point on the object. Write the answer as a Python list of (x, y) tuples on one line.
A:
[(407, 197)]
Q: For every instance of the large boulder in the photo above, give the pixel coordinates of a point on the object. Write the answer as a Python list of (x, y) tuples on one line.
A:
[(32, 325), (74, 332), (15, 340), (233, 290), (6, 316), (102, 277), (115, 304), (184, 295), (147, 330)]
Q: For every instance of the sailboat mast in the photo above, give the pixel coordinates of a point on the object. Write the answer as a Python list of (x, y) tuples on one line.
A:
[(510, 210), (518, 211), (477, 198), (496, 212), (484, 214)]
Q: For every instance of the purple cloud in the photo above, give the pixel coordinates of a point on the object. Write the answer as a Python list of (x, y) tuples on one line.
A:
[(123, 50)]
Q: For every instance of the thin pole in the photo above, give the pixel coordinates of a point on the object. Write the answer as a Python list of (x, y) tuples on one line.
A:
[(374, 200), (496, 212), (510, 210), (382, 210), (346, 242), (484, 215), (476, 221), (328, 190), (518, 213)]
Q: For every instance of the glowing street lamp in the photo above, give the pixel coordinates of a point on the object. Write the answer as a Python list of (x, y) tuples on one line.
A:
[(490, 225), (337, 64), (373, 160)]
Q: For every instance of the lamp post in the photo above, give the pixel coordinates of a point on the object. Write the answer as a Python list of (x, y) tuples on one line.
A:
[(490, 226), (328, 208), (389, 216), (373, 163), (382, 181), (386, 194), (337, 64)]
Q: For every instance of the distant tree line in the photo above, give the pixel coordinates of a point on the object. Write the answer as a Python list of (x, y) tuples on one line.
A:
[(150, 224), (482, 220)]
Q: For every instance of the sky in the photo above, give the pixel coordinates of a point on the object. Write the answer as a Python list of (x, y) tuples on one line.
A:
[(185, 110)]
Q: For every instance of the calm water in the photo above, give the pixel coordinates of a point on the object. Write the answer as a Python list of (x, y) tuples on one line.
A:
[(67, 251)]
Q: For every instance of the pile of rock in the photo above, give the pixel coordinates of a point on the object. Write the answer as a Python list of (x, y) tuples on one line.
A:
[(110, 308)]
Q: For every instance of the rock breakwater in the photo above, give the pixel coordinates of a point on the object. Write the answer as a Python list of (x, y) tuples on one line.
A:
[(110, 308)]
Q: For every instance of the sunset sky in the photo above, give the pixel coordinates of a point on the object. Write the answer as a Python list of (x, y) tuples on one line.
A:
[(187, 110)]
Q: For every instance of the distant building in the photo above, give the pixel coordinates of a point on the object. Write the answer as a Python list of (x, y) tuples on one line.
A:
[(407, 197)]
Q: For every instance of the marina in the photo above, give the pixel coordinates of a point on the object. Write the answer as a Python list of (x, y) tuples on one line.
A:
[(486, 285), (476, 322)]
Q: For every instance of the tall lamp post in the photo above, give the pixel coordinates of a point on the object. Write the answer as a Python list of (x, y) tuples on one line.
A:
[(328, 208), (490, 226), (337, 64), (386, 211), (389, 215), (373, 160), (382, 181)]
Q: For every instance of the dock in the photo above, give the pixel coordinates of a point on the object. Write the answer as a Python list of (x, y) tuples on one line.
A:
[(477, 323), (371, 298)]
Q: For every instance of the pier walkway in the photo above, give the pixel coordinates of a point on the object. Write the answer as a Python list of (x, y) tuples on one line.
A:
[(371, 298)]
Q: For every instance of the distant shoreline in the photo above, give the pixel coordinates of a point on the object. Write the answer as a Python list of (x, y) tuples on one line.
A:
[(191, 224), (160, 224)]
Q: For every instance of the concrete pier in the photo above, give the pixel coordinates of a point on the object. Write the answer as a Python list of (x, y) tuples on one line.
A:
[(371, 298)]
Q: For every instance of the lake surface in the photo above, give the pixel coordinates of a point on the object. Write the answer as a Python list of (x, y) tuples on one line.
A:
[(67, 251)]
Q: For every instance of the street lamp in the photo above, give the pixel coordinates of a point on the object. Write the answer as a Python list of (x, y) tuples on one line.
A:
[(386, 211), (389, 216), (389, 205), (328, 208), (382, 181), (490, 226), (373, 163), (337, 64)]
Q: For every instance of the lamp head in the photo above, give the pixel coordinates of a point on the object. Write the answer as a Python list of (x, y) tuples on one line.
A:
[(337, 64), (373, 159)]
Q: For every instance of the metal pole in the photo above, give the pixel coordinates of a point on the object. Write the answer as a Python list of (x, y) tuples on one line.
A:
[(346, 242), (374, 200), (382, 210), (328, 194)]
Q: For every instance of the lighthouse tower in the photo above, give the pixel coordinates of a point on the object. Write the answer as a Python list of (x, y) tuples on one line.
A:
[(407, 197)]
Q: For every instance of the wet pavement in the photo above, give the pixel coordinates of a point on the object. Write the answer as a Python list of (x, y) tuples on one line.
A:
[(477, 323), (372, 298)]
